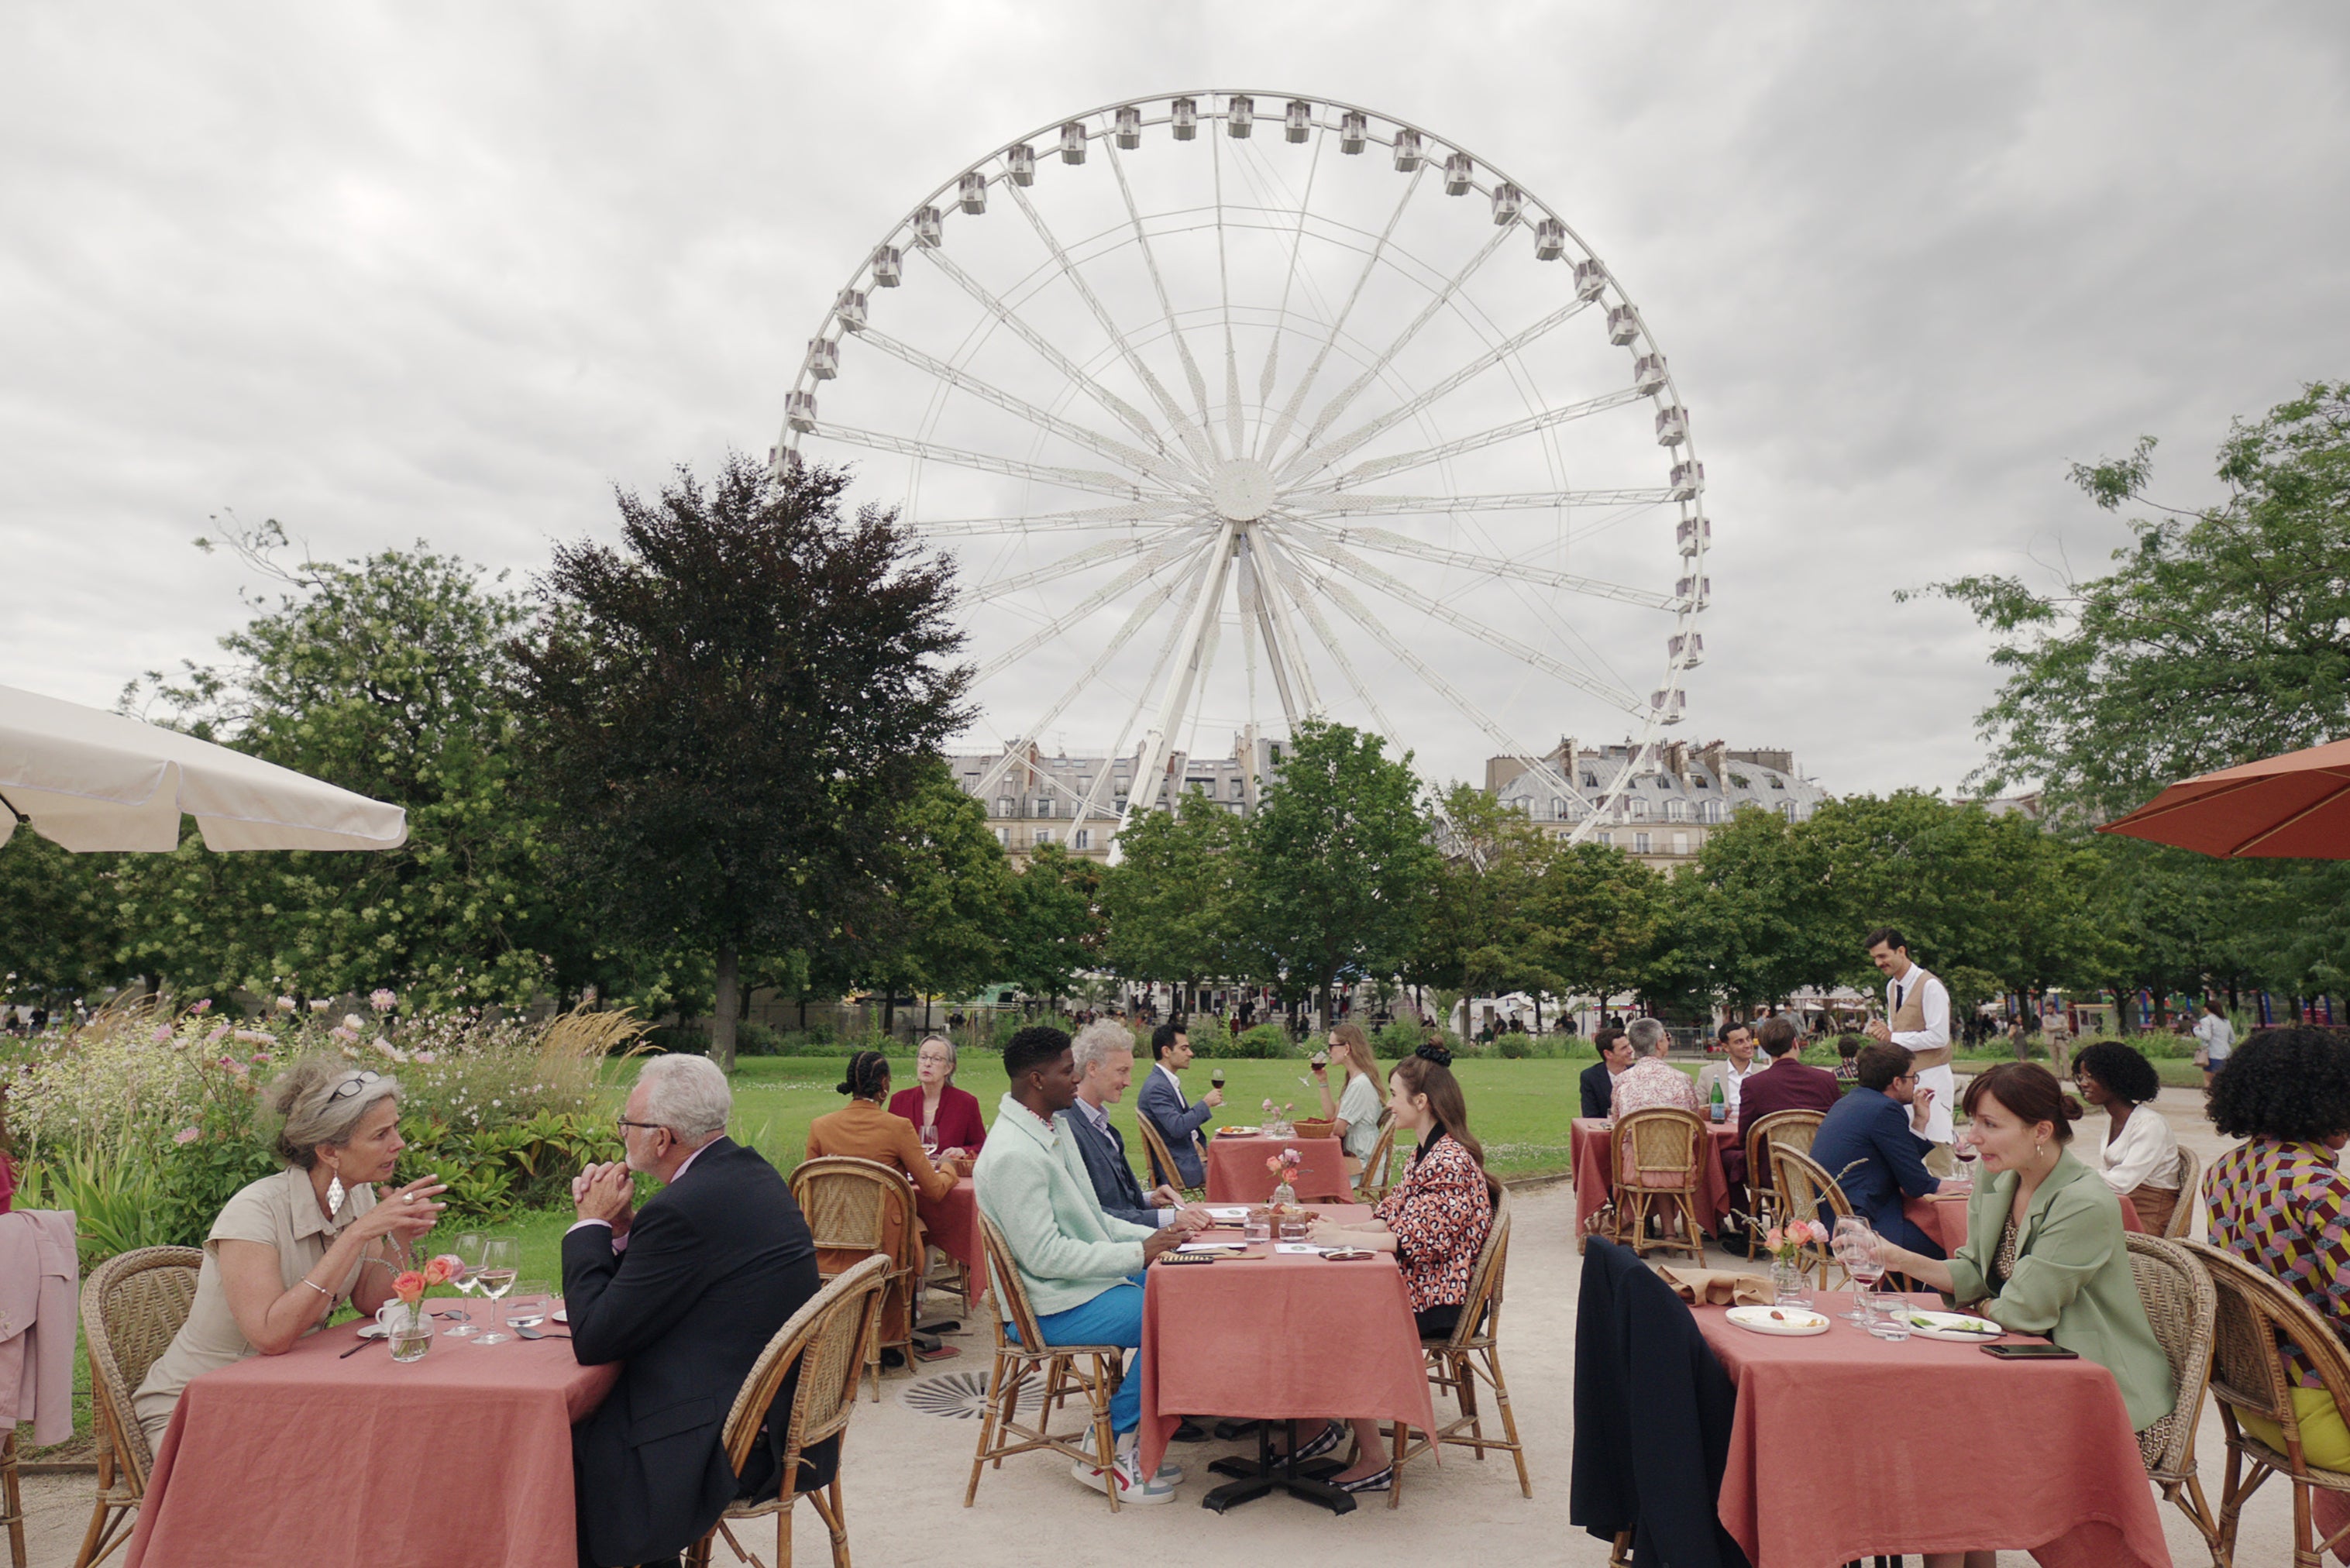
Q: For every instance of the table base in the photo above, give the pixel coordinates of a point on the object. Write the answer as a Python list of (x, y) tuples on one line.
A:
[(1310, 1481)]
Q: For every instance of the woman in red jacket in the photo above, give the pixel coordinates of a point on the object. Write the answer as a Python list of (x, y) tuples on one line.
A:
[(935, 1103)]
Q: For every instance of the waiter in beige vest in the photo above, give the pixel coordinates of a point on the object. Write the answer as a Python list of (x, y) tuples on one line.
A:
[(1918, 1007)]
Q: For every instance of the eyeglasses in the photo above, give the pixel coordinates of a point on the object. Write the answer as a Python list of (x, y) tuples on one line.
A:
[(353, 1084), (624, 1123)]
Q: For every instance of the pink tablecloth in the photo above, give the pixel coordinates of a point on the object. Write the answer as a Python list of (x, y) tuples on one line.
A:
[(462, 1459), (952, 1223), (1842, 1448), (1237, 1173), (1253, 1337), (1591, 1143)]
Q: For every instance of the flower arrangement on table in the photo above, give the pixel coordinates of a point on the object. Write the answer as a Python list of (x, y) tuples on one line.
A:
[(410, 1284), (1285, 1166), (1786, 1242), (1276, 1119)]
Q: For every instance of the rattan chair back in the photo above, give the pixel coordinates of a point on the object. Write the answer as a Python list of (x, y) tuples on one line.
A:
[(1480, 1309), (825, 1340), (1375, 1178), (2183, 1306), (1160, 1158), (1011, 1295), (1802, 1183), (2256, 1312), (849, 1202), (1658, 1149), (1794, 1129), (131, 1307), (2191, 1193)]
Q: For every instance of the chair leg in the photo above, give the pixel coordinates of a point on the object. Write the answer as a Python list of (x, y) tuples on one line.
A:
[(1104, 1440), (1508, 1421), (1396, 1438), (12, 1498), (986, 1432)]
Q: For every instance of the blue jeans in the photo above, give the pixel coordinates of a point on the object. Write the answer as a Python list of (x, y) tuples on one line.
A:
[(1113, 1317)]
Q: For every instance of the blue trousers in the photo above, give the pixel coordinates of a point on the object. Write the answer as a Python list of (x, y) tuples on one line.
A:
[(1113, 1317)]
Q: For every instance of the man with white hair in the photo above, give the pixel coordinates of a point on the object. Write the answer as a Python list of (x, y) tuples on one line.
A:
[(685, 1292), (1651, 1081), (1103, 1053)]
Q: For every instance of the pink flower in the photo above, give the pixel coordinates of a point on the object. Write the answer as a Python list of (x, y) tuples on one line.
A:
[(219, 1033), (382, 1001), (186, 1136), (344, 1033), (284, 1005), (1774, 1238), (261, 1058), (204, 1005), (408, 1287), (427, 1057), (163, 1034)]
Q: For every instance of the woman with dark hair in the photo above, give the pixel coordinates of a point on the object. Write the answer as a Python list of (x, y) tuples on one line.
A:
[(1435, 1221), (2138, 1156), (862, 1129), (2279, 1203), (2043, 1252)]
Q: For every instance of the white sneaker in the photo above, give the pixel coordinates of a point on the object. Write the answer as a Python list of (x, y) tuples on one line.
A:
[(1170, 1472), (1130, 1490)]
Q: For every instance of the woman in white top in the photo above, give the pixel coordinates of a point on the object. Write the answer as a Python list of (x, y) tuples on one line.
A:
[(2138, 1156), (2218, 1036), (1358, 1108)]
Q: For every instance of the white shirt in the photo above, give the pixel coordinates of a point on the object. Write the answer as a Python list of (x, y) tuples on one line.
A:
[(2146, 1155), (2219, 1036), (1163, 1067), (1934, 999)]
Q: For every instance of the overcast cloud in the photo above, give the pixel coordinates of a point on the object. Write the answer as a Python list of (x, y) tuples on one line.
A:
[(452, 272)]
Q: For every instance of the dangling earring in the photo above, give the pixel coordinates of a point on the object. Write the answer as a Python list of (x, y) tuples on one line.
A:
[(335, 1196)]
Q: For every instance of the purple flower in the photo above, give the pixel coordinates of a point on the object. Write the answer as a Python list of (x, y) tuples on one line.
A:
[(163, 1034), (381, 1001), (186, 1136)]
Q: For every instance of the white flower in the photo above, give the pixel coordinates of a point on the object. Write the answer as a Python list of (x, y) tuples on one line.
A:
[(320, 1006)]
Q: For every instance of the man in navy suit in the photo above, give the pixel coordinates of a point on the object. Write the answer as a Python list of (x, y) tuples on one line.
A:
[(1877, 1130), (1104, 1055), (1176, 1120), (1599, 1078)]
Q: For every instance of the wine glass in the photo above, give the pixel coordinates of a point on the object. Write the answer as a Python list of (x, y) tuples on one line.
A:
[(1216, 1078), (527, 1307), (501, 1262), (467, 1279), (1863, 1263), (930, 1140)]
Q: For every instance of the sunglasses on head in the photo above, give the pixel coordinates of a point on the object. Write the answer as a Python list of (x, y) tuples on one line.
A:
[(352, 1085)]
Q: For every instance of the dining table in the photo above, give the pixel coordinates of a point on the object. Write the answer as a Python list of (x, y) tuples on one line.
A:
[(461, 1459), (1237, 1172), (951, 1224), (1251, 1336), (1943, 1215), (1843, 1447), (1592, 1149)]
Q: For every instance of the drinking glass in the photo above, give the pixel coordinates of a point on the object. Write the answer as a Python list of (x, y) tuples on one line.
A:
[(501, 1262), (1853, 1250), (930, 1140), (1216, 1079), (467, 1279), (1293, 1227), (1256, 1227), (527, 1306)]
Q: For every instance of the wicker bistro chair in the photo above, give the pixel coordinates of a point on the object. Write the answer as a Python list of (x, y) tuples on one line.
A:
[(1068, 1370), (12, 1499), (1656, 1156), (1376, 1172), (1800, 1185), (826, 1339), (1794, 1129), (2190, 1194), (2182, 1305), (1471, 1355), (2249, 1377), (132, 1305), (848, 1204), (1162, 1161)]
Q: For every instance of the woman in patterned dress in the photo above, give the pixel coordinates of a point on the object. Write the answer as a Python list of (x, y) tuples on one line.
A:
[(1435, 1221)]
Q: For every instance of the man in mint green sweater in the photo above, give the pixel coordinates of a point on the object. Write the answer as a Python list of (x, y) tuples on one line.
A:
[(1082, 1268)]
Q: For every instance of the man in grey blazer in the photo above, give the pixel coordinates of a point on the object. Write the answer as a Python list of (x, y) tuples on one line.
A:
[(1104, 1055), (1177, 1119)]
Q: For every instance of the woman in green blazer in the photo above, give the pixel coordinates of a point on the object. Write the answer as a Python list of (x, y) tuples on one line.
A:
[(2043, 1252)]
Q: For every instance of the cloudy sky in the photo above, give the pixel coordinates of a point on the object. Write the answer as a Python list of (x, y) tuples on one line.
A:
[(452, 272)]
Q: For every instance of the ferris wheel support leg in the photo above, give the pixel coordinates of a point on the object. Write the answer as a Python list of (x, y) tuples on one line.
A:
[(1150, 761), (1256, 617)]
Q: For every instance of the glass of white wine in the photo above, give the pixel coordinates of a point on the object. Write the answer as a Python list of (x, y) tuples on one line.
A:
[(501, 1262), (467, 1281)]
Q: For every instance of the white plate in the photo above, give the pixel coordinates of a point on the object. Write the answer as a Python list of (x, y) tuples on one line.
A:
[(1796, 1321), (1952, 1325), (372, 1331), (1298, 1247), (1213, 1249), (1231, 1215), (1238, 1132), (560, 1316)]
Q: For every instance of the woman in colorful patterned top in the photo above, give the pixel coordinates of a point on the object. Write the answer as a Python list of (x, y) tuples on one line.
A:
[(1435, 1221), (2279, 1203)]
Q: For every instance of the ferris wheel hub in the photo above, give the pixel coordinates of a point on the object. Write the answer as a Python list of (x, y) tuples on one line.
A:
[(1243, 490)]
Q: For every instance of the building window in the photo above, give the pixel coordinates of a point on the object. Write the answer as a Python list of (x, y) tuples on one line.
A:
[(1607, 839), (1004, 805), (1118, 805), (1044, 806), (1084, 838), (1701, 782), (1591, 781), (1003, 836), (1677, 810), (1640, 805), (1778, 783), (1639, 843), (1239, 790), (1043, 835), (1708, 811), (1680, 844), (1788, 809), (1558, 811)]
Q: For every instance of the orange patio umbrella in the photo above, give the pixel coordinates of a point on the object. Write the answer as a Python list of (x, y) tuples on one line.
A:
[(2292, 806)]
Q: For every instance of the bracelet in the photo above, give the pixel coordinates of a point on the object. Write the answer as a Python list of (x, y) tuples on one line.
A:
[(320, 1288)]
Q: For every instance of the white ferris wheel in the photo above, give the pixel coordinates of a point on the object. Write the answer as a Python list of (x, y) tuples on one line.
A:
[(1239, 407)]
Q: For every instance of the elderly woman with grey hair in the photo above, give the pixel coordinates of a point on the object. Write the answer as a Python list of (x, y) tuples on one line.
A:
[(290, 1248)]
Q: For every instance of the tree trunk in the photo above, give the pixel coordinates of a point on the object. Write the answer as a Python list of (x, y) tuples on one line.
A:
[(889, 1007), (728, 1003)]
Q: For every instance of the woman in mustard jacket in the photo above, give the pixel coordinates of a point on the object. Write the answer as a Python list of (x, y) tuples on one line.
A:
[(863, 1129)]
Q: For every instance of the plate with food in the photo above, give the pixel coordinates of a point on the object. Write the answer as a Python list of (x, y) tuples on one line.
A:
[(1963, 1327), (1788, 1320), (1238, 1132)]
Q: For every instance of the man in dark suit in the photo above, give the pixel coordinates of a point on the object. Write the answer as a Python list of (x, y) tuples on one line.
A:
[(1104, 1057), (1599, 1079), (1176, 1120), (1786, 1085), (686, 1291), (1876, 1132)]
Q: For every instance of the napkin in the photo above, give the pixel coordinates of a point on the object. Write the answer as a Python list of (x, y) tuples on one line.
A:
[(1718, 1287)]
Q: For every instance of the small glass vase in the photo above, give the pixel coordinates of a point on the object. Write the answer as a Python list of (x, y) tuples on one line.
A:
[(407, 1330), (1790, 1285), (1283, 1194)]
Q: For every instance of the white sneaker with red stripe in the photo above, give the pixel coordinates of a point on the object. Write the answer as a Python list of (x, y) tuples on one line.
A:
[(1131, 1489)]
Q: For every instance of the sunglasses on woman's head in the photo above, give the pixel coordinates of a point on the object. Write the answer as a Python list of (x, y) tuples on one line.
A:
[(352, 1085)]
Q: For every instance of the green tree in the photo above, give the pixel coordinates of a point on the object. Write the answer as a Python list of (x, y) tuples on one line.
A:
[(1171, 904), (1341, 861), (733, 709), (59, 929), (949, 889), (1491, 893), (386, 676), (1755, 919), (1054, 930), (1600, 917)]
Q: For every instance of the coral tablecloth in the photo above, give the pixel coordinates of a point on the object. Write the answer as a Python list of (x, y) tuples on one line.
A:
[(1943, 1216), (1843, 1447), (1591, 1142), (462, 1459), (1237, 1173), (1258, 1338), (952, 1223)]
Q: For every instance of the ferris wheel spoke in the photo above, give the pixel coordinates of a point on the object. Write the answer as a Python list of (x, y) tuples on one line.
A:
[(1085, 517), (1321, 503), (1288, 282), (1282, 426), (1158, 468), (1192, 652), (1166, 305), (1496, 567), (1074, 562), (1059, 625), (1194, 440), (1256, 618), (1329, 452), (1035, 340), (1167, 645), (987, 463), (1234, 442), (1362, 571), (1371, 372), (1545, 419)]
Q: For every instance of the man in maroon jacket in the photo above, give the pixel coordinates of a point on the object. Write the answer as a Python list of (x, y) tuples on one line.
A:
[(1785, 1086)]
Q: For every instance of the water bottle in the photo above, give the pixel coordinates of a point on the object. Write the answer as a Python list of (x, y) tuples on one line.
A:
[(1721, 1102)]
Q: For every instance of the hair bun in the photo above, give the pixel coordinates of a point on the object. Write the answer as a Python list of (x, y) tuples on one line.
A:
[(844, 1088), (1431, 1051), (2074, 1109)]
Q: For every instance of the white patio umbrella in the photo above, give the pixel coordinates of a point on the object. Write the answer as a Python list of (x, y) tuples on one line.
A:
[(90, 779)]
